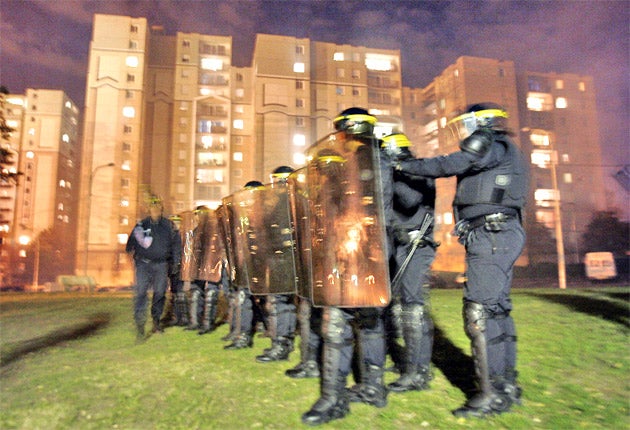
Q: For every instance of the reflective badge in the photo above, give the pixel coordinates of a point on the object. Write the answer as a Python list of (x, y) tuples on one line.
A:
[(502, 180)]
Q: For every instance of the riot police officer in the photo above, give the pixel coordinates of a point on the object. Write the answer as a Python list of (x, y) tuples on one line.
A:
[(176, 312), (243, 314), (337, 329), (279, 308), (412, 253), (492, 184)]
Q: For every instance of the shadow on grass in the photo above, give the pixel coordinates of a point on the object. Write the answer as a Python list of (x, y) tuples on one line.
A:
[(455, 364), (96, 322), (604, 309)]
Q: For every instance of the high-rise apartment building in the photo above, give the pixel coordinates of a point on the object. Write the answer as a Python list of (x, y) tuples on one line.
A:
[(47, 145), (302, 85), (560, 133)]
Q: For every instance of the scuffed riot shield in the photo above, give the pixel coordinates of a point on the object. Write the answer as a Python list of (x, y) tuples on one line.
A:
[(186, 229), (348, 242), (234, 229), (264, 213), (298, 197), (212, 252)]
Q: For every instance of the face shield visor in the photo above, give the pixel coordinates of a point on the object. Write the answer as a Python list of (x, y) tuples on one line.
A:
[(466, 124)]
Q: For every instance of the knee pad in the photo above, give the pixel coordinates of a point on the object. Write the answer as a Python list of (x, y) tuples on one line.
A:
[(475, 317)]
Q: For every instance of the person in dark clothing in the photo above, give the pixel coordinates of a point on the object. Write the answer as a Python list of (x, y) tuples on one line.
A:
[(153, 244), (492, 185), (413, 201)]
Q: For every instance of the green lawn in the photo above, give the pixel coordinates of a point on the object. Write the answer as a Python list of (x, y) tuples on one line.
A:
[(574, 361)]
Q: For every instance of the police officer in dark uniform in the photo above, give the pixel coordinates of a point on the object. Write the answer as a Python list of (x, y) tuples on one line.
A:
[(153, 244), (338, 334), (492, 185), (279, 308), (413, 205), (176, 312), (243, 315)]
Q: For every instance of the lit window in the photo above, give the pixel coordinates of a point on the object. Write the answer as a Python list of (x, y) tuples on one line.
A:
[(31, 131), (129, 112), (62, 183), (539, 139), (132, 61), (122, 238), (443, 122), (559, 84), (239, 93), (447, 218), (238, 124), (204, 91), (539, 101), (299, 159), (561, 103), (565, 158), (338, 56), (379, 63), (568, 178), (237, 156), (299, 140), (68, 105), (30, 154), (211, 64), (124, 202), (239, 109), (126, 165), (299, 67), (456, 73), (65, 138), (582, 86), (541, 158), (545, 195)]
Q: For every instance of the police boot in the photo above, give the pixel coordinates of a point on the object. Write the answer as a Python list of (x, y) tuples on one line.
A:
[(193, 321), (168, 316), (140, 335), (307, 368), (280, 349), (507, 384), (209, 312), (181, 309), (371, 390), (157, 327), (241, 341), (415, 376), (488, 401), (333, 402)]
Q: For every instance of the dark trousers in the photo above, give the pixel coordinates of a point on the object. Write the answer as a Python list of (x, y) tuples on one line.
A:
[(149, 275)]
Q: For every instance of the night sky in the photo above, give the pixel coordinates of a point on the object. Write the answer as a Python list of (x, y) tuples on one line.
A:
[(45, 44)]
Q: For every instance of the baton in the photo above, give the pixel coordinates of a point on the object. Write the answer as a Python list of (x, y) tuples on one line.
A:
[(422, 231)]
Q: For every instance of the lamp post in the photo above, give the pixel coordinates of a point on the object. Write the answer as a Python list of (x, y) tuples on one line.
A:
[(89, 214), (562, 274)]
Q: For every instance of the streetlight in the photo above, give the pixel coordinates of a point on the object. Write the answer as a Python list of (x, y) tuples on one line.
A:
[(89, 210)]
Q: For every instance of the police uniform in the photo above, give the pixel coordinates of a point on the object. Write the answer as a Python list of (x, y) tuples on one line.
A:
[(153, 244), (491, 190), (413, 205), (337, 323)]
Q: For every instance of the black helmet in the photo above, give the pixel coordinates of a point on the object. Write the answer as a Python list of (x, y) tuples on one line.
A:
[(355, 120), (201, 208), (253, 185), (281, 173), (396, 145), (487, 115)]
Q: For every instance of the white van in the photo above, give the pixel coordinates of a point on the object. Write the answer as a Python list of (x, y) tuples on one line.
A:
[(600, 265)]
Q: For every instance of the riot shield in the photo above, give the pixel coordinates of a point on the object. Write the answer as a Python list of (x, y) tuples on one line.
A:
[(186, 229), (348, 242), (298, 198), (212, 250), (264, 214), (234, 231)]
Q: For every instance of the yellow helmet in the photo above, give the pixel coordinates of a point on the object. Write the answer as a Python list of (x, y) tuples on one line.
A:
[(355, 121)]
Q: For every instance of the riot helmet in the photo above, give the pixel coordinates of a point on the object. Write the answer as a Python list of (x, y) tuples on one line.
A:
[(202, 212), (355, 120), (280, 174), (396, 145), (253, 185), (487, 116)]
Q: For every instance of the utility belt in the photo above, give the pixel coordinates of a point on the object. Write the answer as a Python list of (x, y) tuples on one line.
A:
[(491, 222)]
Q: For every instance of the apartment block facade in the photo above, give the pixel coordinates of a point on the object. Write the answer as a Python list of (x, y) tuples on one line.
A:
[(46, 145), (169, 115)]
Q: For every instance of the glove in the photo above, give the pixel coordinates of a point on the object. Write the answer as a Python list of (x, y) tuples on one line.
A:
[(401, 236)]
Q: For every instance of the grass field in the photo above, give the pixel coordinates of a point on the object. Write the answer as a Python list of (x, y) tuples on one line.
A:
[(574, 363)]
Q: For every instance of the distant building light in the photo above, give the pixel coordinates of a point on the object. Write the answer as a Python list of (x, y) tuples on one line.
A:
[(338, 56), (561, 103), (132, 61), (24, 240), (299, 67), (129, 112), (299, 140)]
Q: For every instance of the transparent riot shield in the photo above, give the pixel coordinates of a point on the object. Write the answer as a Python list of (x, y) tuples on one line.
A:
[(186, 229), (264, 213), (212, 250), (234, 230), (298, 198), (348, 242)]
